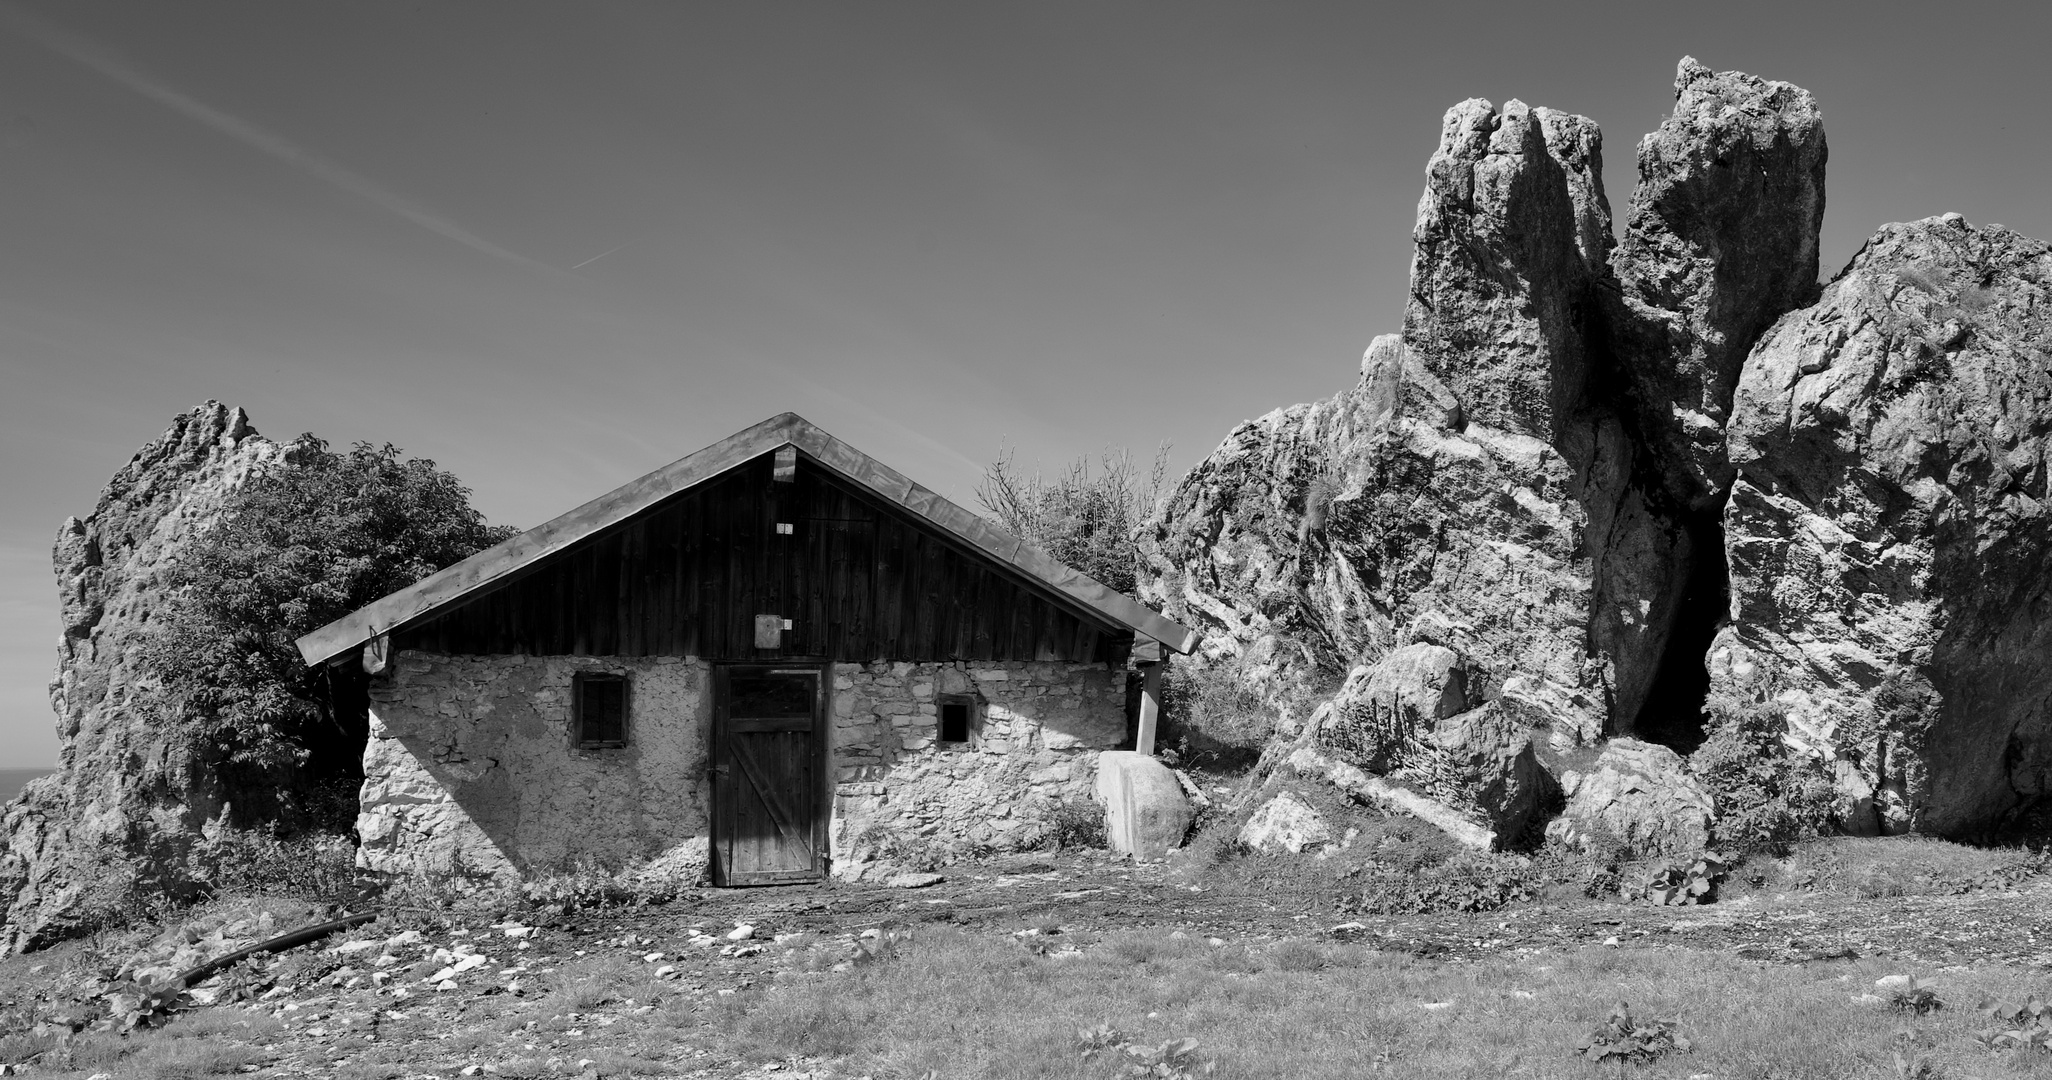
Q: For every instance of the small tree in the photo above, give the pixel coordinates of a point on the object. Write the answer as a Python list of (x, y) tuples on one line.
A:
[(1089, 519), (296, 548)]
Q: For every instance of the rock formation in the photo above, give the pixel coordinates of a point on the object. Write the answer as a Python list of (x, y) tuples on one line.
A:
[(1527, 477), (1889, 531), (128, 796)]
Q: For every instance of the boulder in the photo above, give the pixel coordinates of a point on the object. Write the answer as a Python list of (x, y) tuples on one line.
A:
[(1378, 714), (1889, 533), (1484, 759), (1639, 794), (130, 797), (1145, 812), (1285, 823), (1311, 763)]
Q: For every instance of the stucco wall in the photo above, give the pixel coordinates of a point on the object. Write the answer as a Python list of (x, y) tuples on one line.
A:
[(471, 764)]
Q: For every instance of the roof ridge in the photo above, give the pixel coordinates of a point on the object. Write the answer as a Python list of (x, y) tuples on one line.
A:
[(490, 567)]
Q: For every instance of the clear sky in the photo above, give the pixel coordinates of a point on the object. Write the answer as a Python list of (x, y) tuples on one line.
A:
[(555, 246)]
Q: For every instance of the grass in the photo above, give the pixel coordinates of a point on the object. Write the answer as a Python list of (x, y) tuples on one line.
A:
[(1881, 867), (975, 1005)]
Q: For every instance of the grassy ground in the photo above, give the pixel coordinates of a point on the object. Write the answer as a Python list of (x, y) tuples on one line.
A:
[(997, 972), (980, 1004)]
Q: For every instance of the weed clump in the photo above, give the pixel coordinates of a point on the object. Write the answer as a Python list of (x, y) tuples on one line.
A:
[(1622, 1038)]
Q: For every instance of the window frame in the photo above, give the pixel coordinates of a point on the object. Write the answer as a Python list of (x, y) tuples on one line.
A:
[(578, 719), (969, 721)]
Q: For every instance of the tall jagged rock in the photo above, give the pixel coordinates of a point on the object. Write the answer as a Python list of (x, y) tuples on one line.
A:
[(1721, 240), (1521, 477), (1889, 532), (128, 796)]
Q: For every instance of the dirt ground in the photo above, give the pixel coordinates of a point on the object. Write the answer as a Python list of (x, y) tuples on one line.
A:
[(640, 991)]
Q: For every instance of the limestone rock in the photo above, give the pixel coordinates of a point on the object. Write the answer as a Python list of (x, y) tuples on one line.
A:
[(1889, 534), (1484, 759), (1532, 469), (1286, 823), (1638, 793), (1309, 762), (1145, 813), (1379, 712), (128, 798), (1721, 240)]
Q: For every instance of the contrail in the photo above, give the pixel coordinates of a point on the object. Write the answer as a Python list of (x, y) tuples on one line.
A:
[(600, 255), (81, 51)]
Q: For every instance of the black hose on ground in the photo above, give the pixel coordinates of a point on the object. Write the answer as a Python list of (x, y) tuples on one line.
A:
[(277, 944)]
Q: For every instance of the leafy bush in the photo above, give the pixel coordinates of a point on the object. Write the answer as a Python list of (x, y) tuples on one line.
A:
[(1622, 1038), (297, 547), (1676, 885), (1912, 998), (1087, 519), (1767, 797), (1173, 1059), (1469, 881), (2026, 1027)]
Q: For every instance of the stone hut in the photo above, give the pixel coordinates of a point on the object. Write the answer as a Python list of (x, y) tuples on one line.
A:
[(773, 660)]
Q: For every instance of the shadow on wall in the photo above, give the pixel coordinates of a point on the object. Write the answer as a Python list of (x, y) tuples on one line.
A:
[(472, 767)]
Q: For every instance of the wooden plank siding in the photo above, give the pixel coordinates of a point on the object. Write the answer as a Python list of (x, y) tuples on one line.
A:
[(859, 577)]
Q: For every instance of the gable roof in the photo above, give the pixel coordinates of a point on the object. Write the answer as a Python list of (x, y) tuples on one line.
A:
[(495, 566)]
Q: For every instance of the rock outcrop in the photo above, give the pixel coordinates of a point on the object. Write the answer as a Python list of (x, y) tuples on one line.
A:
[(1720, 241), (1527, 477), (128, 797), (1889, 530)]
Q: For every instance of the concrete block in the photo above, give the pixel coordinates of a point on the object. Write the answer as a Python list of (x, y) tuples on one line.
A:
[(1145, 811)]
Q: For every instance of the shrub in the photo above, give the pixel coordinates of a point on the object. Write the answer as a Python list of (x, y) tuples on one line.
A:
[(1211, 715), (297, 547), (317, 867), (1087, 519), (1077, 824), (1469, 881), (1767, 797)]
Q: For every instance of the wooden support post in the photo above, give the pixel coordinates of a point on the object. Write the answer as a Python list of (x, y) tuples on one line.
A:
[(1150, 706)]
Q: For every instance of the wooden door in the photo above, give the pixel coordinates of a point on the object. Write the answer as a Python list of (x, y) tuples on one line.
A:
[(769, 742)]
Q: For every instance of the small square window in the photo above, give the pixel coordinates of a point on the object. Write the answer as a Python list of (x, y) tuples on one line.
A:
[(601, 718), (957, 717)]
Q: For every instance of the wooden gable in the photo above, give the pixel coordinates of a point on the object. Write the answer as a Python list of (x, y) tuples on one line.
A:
[(857, 576)]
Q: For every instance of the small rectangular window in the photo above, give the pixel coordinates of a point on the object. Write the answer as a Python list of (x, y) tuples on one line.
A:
[(957, 716), (601, 710)]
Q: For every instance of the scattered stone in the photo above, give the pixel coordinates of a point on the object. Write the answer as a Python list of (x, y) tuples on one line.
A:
[(1285, 823), (741, 932)]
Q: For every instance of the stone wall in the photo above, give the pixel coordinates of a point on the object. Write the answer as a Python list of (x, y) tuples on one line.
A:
[(905, 799), (471, 765)]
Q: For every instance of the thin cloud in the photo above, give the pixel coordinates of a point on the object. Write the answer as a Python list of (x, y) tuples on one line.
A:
[(83, 52)]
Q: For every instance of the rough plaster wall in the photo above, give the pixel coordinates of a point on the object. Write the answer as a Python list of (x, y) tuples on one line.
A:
[(471, 767), (905, 799)]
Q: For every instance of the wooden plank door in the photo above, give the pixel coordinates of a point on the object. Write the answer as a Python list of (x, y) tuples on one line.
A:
[(769, 742)]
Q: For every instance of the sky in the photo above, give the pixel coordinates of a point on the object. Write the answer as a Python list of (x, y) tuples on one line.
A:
[(555, 246)]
